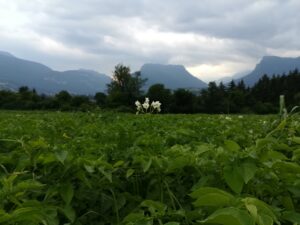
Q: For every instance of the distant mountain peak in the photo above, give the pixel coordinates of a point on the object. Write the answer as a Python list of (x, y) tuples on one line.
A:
[(274, 57), (172, 76), (87, 70), (163, 65), (271, 65), (3, 53)]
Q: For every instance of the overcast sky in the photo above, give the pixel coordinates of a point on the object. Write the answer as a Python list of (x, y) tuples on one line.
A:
[(211, 38)]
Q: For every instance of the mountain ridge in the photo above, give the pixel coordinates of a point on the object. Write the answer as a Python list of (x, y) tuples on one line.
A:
[(271, 65), (16, 72), (172, 76)]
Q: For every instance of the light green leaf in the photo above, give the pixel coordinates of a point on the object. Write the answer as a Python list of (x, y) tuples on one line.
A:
[(134, 217), (202, 149), (61, 156), (31, 214), (231, 146), (248, 170), (129, 173), (137, 218), (272, 156), (287, 167), (296, 154), (252, 210), (89, 169), (262, 207), (118, 164), (178, 163), (28, 185), (107, 174), (234, 179), (229, 216), (146, 165), (4, 217), (264, 219), (207, 196), (155, 208), (295, 139)]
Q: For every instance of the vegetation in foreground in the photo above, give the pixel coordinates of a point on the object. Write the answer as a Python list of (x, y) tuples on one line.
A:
[(100, 168)]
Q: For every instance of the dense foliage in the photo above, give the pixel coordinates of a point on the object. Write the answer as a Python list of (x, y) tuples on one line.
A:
[(126, 88), (105, 168)]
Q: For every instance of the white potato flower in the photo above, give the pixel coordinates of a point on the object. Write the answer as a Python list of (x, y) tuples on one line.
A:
[(156, 105), (146, 107), (137, 103), (138, 106)]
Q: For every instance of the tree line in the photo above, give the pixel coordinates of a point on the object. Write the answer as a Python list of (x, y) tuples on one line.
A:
[(125, 88)]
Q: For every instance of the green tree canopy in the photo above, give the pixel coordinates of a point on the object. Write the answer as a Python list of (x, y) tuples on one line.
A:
[(124, 88), (158, 92)]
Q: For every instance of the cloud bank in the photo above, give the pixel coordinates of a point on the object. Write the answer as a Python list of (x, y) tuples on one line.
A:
[(211, 38)]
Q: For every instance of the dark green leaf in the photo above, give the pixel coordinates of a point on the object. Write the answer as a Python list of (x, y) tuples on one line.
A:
[(67, 192)]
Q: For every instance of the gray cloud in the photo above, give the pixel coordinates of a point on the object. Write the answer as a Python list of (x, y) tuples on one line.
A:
[(225, 36)]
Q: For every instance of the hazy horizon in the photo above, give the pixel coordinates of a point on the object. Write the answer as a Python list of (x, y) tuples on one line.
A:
[(211, 38)]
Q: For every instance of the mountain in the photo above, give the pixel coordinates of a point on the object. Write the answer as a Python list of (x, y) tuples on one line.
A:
[(271, 65), (235, 76), (15, 72), (172, 76), (6, 54)]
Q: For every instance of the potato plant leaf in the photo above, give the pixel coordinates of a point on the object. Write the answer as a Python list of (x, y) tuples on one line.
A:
[(67, 192), (107, 174), (156, 208), (291, 216), (69, 213), (248, 170), (61, 156), (207, 196), (262, 208), (295, 139), (231, 146), (233, 178), (229, 216), (129, 173)]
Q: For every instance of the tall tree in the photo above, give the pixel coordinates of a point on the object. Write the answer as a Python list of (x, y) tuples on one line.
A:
[(124, 88)]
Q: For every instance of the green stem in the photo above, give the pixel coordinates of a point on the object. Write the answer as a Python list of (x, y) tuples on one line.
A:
[(115, 205), (170, 195)]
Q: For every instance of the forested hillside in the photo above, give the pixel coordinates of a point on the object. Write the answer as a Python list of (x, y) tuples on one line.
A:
[(262, 98)]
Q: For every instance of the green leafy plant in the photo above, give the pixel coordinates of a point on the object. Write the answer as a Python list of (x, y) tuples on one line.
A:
[(110, 168)]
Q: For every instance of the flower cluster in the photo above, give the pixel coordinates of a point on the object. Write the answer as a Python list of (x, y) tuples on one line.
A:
[(146, 107)]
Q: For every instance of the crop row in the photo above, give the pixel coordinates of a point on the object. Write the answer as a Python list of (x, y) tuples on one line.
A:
[(101, 168)]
